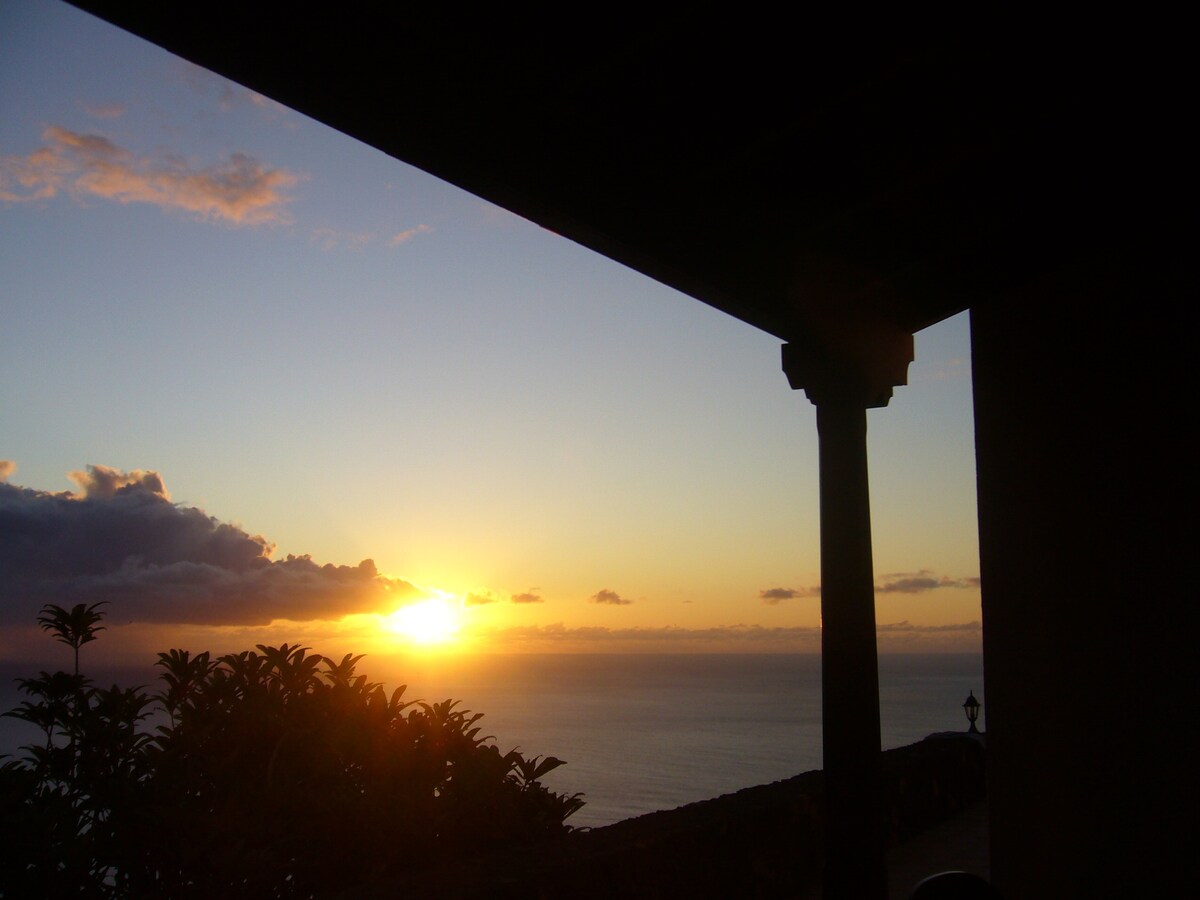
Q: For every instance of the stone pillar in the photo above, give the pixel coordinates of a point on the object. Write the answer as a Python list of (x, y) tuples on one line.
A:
[(843, 379)]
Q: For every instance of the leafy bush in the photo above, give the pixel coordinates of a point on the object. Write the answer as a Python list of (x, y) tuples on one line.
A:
[(280, 773)]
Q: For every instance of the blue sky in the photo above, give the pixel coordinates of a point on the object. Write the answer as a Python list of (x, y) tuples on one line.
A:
[(353, 360)]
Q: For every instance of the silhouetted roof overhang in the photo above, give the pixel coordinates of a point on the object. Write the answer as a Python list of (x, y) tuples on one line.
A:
[(798, 178)]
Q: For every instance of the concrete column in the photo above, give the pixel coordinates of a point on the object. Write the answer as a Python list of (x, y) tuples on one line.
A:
[(849, 662), (845, 372)]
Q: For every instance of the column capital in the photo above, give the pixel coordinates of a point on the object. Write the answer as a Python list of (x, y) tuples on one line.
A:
[(858, 367)]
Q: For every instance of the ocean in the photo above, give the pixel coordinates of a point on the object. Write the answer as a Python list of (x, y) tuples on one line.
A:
[(643, 732)]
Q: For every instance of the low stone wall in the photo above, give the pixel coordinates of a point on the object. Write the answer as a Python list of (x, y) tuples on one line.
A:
[(761, 842), (928, 782)]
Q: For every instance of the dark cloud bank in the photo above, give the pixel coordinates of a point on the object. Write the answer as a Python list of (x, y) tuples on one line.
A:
[(120, 538)]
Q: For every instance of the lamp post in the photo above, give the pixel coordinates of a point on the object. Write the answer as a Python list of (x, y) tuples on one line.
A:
[(971, 707)]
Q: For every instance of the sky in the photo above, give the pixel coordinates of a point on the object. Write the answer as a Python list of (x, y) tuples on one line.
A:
[(260, 382)]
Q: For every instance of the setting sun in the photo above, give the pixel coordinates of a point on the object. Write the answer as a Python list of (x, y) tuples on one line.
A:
[(433, 621)]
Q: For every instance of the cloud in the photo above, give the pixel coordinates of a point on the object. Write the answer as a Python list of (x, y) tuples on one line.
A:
[(908, 586), (329, 238), (264, 102), (401, 237), (895, 637), (895, 583), (742, 632), (528, 597), (558, 633), (7, 467), (121, 539), (907, 626), (921, 581), (227, 94), (609, 597), (952, 369), (779, 594), (481, 599), (239, 191), (105, 111), (904, 637), (104, 483)]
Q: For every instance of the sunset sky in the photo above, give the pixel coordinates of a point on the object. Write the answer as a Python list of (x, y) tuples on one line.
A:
[(315, 385)]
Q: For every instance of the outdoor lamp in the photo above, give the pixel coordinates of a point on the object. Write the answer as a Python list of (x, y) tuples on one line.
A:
[(971, 707)]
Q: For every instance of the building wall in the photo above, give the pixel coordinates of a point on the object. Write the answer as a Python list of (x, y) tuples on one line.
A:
[(1085, 479)]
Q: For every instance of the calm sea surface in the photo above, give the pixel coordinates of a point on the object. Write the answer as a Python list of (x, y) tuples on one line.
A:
[(646, 732)]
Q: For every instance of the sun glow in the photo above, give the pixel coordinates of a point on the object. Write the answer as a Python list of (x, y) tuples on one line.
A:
[(433, 621)]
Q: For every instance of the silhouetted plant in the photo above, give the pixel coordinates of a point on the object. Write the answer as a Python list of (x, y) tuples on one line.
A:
[(74, 627), (281, 773)]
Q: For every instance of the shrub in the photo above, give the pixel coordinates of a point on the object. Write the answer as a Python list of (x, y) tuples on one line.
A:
[(280, 773)]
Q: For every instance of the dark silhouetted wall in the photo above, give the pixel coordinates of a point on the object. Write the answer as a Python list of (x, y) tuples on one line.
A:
[(1084, 406)]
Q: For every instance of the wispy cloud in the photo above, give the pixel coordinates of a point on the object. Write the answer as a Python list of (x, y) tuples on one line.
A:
[(227, 95), (120, 538), (401, 237), (895, 637), (610, 597), (943, 370), (921, 581), (905, 637), (105, 111), (779, 594), (909, 628), (330, 238), (265, 103), (481, 598), (895, 583), (598, 635), (239, 190)]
